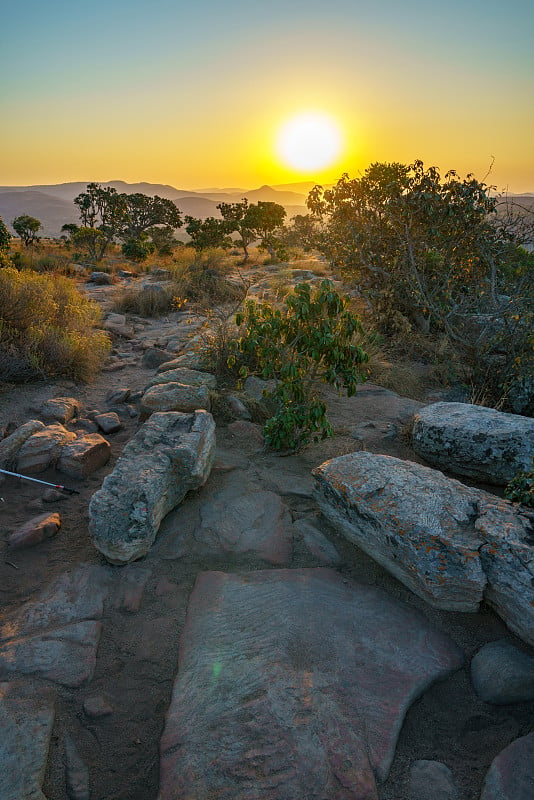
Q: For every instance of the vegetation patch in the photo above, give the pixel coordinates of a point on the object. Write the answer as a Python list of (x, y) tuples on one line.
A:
[(47, 328)]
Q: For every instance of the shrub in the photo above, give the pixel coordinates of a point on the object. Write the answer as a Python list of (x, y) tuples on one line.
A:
[(148, 301), (521, 488), (311, 340), (47, 328), (205, 281)]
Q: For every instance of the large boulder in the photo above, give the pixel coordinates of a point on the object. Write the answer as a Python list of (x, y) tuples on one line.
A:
[(480, 443), (450, 544), (171, 454), (511, 775), (174, 397)]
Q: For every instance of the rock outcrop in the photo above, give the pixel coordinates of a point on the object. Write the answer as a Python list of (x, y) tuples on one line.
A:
[(174, 397), (450, 544), (480, 443), (171, 454), (281, 686)]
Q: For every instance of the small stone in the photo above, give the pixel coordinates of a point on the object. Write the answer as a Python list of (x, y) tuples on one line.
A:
[(34, 531), (242, 429), (97, 706), (175, 397), (61, 409), (101, 278), (431, 780), (86, 426), (503, 674), (118, 396), (154, 357), (108, 423), (511, 775), (238, 408), (84, 455), (52, 496)]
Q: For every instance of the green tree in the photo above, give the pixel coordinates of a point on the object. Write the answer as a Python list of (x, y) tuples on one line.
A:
[(235, 214), (208, 233), (138, 249), (27, 228), (266, 219), (101, 209), (311, 340), (144, 212), (163, 239), (5, 237)]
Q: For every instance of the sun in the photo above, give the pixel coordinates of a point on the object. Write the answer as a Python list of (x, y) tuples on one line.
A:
[(309, 141)]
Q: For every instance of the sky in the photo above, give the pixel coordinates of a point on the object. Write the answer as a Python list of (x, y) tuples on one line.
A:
[(195, 94)]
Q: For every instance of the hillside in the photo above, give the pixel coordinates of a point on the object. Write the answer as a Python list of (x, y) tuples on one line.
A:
[(53, 204)]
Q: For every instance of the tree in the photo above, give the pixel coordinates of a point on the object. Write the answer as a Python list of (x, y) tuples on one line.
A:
[(235, 214), (311, 340), (138, 249), (210, 232), (302, 231), (432, 254), (102, 209), (5, 237), (143, 212), (254, 221), (27, 228)]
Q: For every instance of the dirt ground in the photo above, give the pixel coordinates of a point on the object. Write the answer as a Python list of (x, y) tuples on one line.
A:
[(138, 651)]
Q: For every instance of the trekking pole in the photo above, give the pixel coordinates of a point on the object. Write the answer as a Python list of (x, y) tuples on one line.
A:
[(35, 480)]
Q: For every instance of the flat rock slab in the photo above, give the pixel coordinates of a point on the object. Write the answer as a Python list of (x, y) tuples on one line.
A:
[(450, 544), (25, 731), (511, 775), (480, 443), (245, 522), (293, 684), (170, 455), (56, 635), (43, 448)]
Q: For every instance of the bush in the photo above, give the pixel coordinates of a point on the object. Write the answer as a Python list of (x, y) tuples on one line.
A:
[(311, 340), (148, 301), (47, 328), (521, 488), (205, 281)]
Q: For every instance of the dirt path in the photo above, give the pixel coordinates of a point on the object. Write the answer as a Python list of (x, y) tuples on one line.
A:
[(138, 649)]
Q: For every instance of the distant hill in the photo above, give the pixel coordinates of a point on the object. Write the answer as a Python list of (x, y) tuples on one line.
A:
[(53, 204)]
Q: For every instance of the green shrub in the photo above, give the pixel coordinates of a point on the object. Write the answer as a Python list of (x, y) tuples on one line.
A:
[(311, 340), (47, 328), (521, 488), (148, 301), (205, 281)]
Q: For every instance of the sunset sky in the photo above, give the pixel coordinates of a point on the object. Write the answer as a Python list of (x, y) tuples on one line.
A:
[(195, 94)]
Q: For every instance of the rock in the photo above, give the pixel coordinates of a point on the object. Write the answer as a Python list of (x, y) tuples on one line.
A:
[(257, 389), (248, 433), (175, 397), (84, 455), (10, 446), (154, 357), (52, 496), (61, 409), (76, 773), (520, 396), (314, 543), (115, 319), (480, 443), (431, 780), (241, 522), (511, 775), (171, 454), (85, 426), (450, 544), (191, 360), (238, 408), (101, 278), (56, 635), (268, 705), (43, 449), (502, 674), (118, 396), (25, 734), (97, 706), (189, 377), (109, 423), (34, 531)]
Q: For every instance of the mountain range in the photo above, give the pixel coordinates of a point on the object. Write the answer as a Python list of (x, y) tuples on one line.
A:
[(53, 204)]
